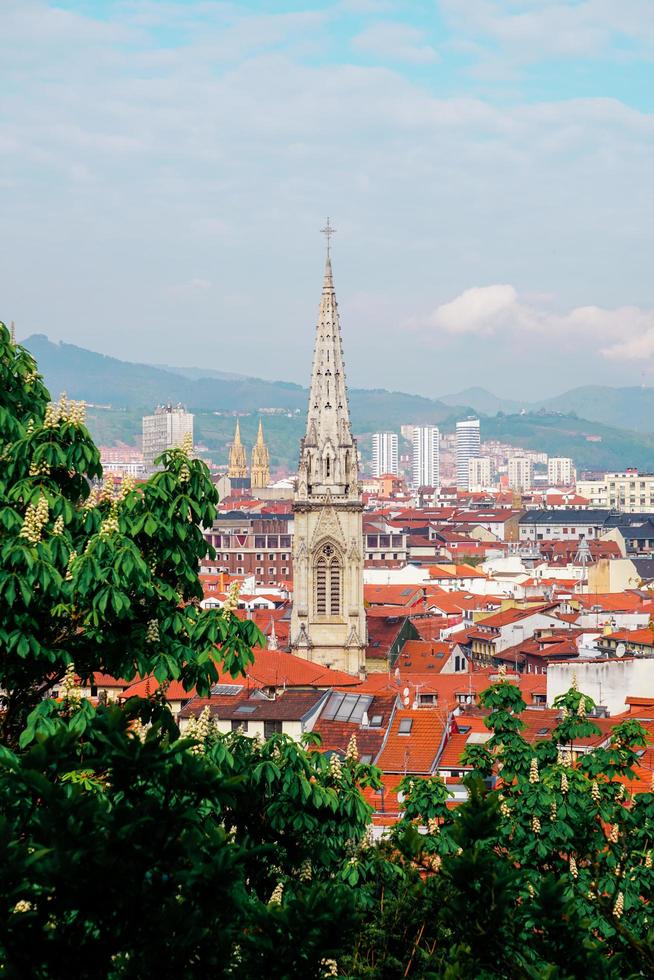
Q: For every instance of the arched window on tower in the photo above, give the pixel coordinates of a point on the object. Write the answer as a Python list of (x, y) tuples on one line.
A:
[(328, 582)]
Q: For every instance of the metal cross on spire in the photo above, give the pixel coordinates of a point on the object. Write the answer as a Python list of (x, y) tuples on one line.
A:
[(328, 231)]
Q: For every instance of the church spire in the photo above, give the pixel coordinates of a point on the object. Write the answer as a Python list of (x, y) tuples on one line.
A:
[(328, 618), (238, 467), (260, 468), (328, 456)]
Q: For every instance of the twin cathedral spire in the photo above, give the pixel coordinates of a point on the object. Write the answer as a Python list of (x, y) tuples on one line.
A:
[(328, 622), (238, 464)]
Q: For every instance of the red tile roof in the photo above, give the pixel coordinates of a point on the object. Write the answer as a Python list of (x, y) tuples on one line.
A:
[(417, 750), (392, 595), (291, 705), (335, 735)]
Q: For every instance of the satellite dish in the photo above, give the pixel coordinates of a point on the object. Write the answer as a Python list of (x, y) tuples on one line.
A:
[(620, 650), (397, 674), (405, 692), (415, 705), (406, 702)]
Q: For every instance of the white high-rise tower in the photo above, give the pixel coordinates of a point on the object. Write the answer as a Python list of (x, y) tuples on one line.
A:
[(467, 447), (384, 453), (426, 456), (328, 620)]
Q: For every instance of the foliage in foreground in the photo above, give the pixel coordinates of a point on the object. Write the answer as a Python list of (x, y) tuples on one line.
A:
[(129, 851)]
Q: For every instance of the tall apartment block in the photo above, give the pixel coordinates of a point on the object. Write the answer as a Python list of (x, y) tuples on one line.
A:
[(426, 456), (521, 473), (468, 443), (479, 473), (384, 453), (166, 429), (560, 471)]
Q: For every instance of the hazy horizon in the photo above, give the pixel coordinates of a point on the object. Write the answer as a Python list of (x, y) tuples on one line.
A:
[(166, 168)]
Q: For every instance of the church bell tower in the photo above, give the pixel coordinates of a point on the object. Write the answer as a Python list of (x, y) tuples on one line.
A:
[(328, 622)]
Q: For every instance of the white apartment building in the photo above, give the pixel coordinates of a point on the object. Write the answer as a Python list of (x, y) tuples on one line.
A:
[(384, 453), (467, 447), (631, 491), (521, 473), (426, 456), (479, 473), (560, 471), (166, 429)]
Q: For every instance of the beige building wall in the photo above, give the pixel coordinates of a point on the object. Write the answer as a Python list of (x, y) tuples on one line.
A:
[(479, 473), (612, 575), (560, 471)]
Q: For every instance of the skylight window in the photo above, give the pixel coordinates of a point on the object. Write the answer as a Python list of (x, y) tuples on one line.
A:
[(244, 709), (542, 731), (229, 689), (376, 721), (347, 707), (406, 724)]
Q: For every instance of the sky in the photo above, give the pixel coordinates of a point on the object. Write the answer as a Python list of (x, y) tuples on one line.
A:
[(166, 168)]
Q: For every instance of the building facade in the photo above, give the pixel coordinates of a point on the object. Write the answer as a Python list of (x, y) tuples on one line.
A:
[(253, 544), (384, 454), (166, 429), (521, 473), (425, 470), (479, 473), (560, 471), (631, 491), (468, 444), (328, 622)]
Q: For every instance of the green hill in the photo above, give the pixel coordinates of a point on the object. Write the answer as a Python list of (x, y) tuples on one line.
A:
[(121, 392), (624, 408)]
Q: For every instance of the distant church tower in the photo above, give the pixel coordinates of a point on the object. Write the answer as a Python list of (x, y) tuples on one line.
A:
[(328, 622), (260, 465), (238, 466)]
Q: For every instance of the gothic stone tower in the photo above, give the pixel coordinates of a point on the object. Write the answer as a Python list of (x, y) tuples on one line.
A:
[(260, 462), (238, 466), (328, 623)]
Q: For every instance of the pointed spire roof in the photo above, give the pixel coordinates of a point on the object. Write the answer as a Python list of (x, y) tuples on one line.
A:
[(328, 417), (237, 468), (260, 441)]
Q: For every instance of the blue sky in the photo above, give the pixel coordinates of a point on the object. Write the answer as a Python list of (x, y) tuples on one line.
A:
[(165, 168)]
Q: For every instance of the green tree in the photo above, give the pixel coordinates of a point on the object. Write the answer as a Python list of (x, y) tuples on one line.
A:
[(144, 852), (105, 580)]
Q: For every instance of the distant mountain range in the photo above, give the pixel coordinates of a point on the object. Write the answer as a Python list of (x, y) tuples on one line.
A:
[(626, 408), (608, 428)]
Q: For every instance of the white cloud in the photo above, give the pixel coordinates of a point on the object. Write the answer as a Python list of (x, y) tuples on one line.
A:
[(132, 165), (528, 31), (480, 310), (393, 42), (497, 310)]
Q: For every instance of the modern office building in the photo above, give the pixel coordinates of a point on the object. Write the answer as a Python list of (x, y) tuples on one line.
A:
[(384, 453), (426, 456), (468, 444), (166, 429)]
